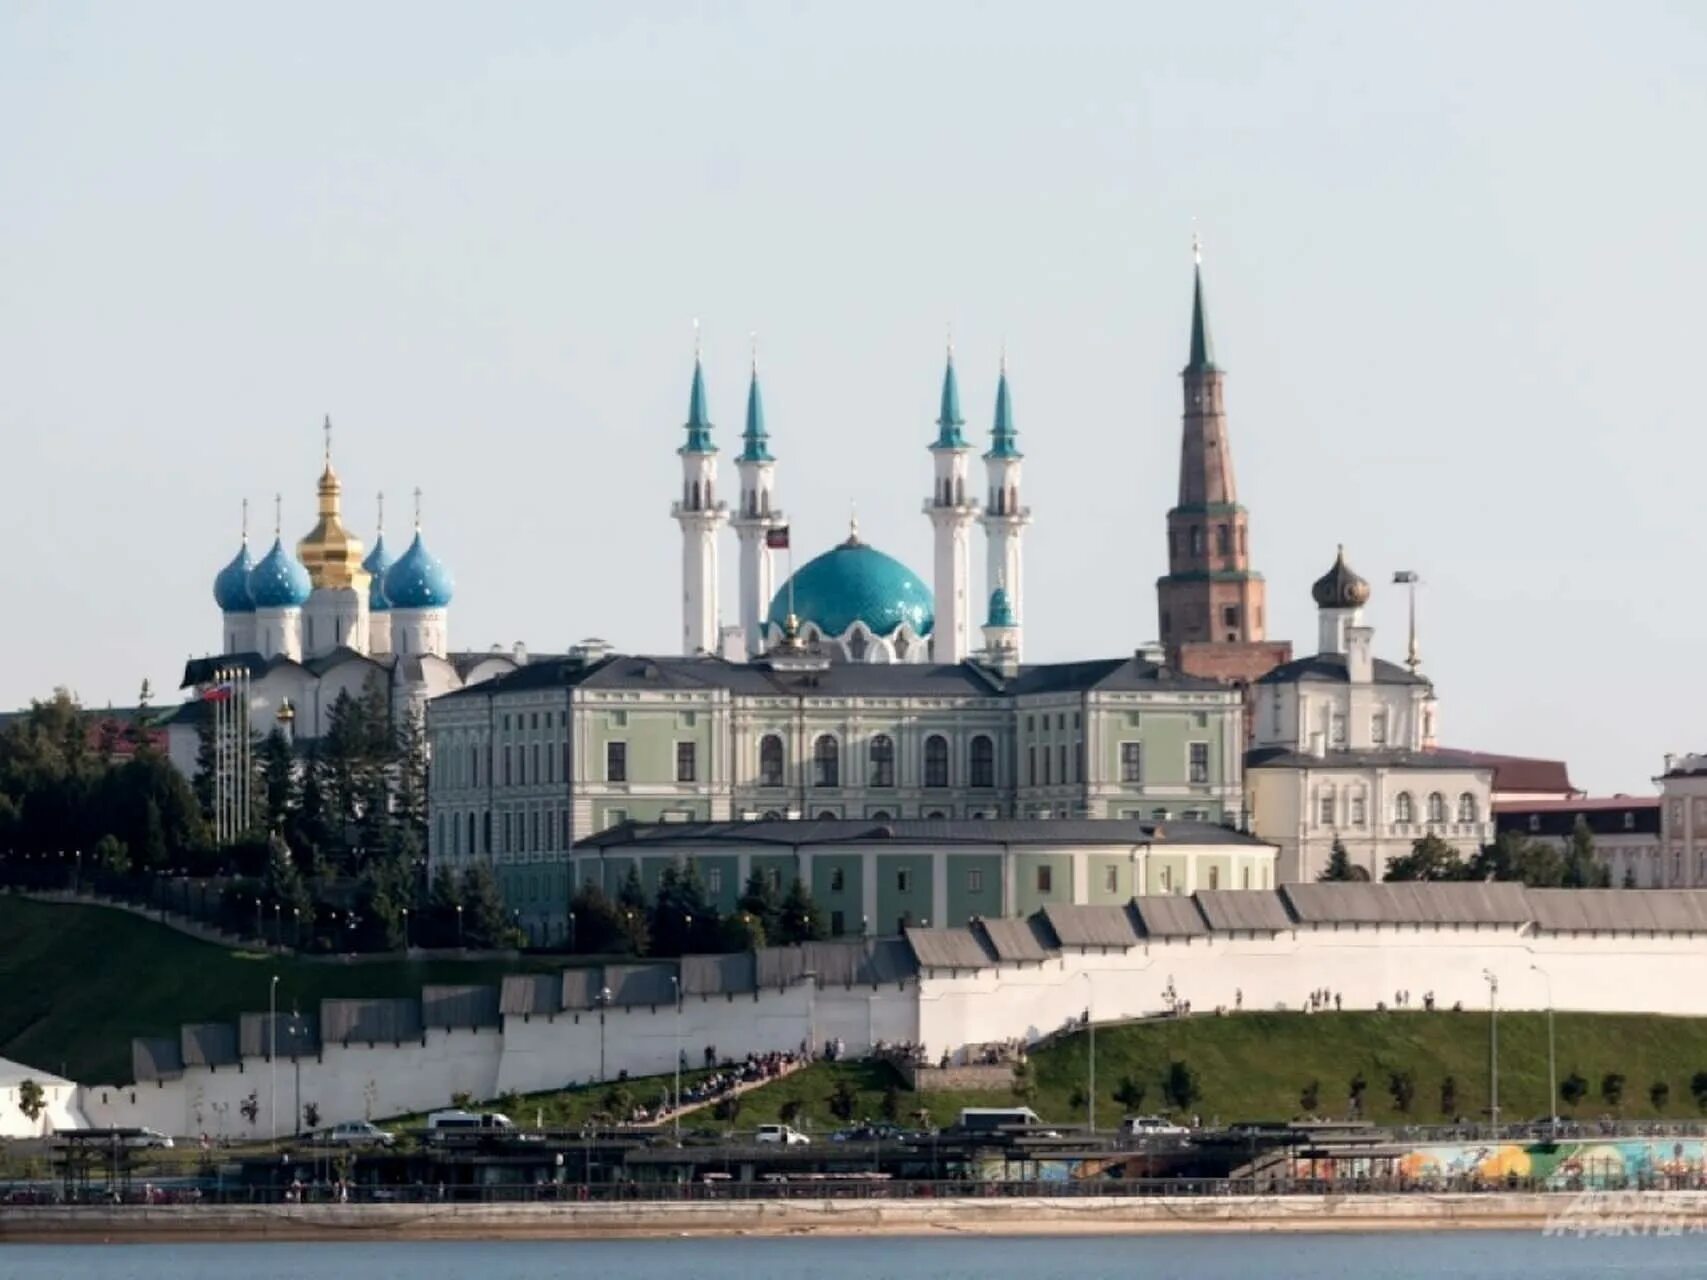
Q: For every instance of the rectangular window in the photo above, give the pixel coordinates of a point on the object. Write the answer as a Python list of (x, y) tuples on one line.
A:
[(533, 829), (1133, 719), (837, 928), (1060, 719), (1378, 729), (714, 880), (974, 882), (1326, 809), (903, 881), (1336, 728), (506, 765), (534, 751), (685, 761), (1132, 762), (1357, 811), (1200, 719), (1061, 755), (615, 817), (1046, 766), (1031, 766), (506, 724), (1199, 762), (1111, 879), (506, 844), (1031, 724), (533, 720), (838, 880), (616, 762), (1045, 879), (565, 839), (619, 719)]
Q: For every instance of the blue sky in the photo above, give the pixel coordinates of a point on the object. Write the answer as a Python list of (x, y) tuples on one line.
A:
[(1453, 255)]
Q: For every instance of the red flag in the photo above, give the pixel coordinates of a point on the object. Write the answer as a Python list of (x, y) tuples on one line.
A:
[(217, 693), (777, 538)]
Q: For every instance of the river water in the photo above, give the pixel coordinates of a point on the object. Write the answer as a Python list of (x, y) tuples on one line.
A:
[(1480, 1255)]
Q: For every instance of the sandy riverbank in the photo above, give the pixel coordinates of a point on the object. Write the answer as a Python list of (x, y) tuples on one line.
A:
[(983, 1217)]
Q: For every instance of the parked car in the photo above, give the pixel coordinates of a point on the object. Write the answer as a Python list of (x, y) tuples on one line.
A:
[(782, 1134), (356, 1133), (147, 1138)]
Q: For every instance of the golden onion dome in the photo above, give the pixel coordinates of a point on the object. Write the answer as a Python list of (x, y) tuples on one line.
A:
[(330, 552)]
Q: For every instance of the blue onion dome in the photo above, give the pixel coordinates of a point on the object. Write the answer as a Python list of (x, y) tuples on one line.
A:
[(1001, 609), (279, 581), (856, 583), (377, 564), (418, 580), (231, 587)]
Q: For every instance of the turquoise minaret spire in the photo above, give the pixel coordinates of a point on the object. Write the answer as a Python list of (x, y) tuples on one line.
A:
[(1004, 440), (755, 440), (699, 420), (949, 420)]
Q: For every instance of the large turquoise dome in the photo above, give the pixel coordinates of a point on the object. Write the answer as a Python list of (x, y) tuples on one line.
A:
[(279, 581), (418, 580), (231, 587), (856, 583)]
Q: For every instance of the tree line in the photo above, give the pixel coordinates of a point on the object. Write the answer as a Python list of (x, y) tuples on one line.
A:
[(679, 917), (1511, 857)]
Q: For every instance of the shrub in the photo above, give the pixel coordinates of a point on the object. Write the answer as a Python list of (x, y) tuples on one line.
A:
[(1612, 1088), (1698, 1089), (1356, 1087), (1573, 1089), (842, 1101), (1402, 1085), (1449, 1096), (1659, 1093), (1131, 1093), (1181, 1086), (1310, 1097)]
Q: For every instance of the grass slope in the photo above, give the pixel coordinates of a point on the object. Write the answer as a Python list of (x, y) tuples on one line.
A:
[(78, 982)]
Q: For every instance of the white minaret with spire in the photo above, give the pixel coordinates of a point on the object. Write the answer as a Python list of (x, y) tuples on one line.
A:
[(1005, 515), (952, 514), (700, 515), (757, 516)]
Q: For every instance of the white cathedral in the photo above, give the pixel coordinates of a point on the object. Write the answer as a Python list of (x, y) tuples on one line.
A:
[(854, 603)]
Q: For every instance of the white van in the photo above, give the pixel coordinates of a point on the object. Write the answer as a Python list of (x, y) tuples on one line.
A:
[(783, 1134), (459, 1121), (990, 1119), (1153, 1127)]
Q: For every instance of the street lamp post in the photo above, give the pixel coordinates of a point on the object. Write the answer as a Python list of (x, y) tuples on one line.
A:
[(1552, 1056), (273, 1055), (676, 1097), (1493, 1046), (1091, 1026), (604, 1000), (459, 926), (405, 930)]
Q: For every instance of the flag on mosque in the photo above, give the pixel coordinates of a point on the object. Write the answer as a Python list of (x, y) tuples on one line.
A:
[(217, 693), (777, 538)]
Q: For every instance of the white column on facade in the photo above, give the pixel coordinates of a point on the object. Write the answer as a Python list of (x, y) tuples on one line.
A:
[(1081, 874), (868, 890), (939, 888), (1010, 872), (743, 871)]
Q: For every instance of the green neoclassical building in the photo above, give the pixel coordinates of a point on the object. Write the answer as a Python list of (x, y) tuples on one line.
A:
[(528, 765)]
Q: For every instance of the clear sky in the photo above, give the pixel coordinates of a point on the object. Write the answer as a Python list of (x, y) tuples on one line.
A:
[(1454, 257)]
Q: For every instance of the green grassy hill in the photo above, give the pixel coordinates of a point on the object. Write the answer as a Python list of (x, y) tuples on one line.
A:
[(78, 982)]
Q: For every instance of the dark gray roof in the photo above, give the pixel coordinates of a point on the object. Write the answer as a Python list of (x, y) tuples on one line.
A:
[(1332, 667), (853, 962), (1167, 916), (208, 1044), (1386, 758), (1118, 675), (948, 949), (375, 1021), (1088, 926), (527, 994), (1421, 902), (156, 1058), (894, 680), (451, 1007), (633, 985), (1619, 910), (580, 988), (1243, 910), (719, 975), (1013, 941), (936, 831), (294, 1034)]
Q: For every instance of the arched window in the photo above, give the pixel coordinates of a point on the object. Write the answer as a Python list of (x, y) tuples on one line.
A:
[(1404, 808), (880, 816), (770, 761), (858, 644), (826, 816), (983, 760), (1436, 807), (472, 845), (936, 761), (826, 762), (1466, 807), (882, 758)]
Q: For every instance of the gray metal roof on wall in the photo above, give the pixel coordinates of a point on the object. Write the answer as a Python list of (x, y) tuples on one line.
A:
[(1243, 910), (1167, 916), (373, 1021), (451, 1007), (295, 1035), (530, 994), (580, 988), (1420, 902), (854, 962), (633, 985), (208, 1044), (948, 949), (1013, 941), (156, 1058), (1619, 910), (1088, 926), (719, 975)]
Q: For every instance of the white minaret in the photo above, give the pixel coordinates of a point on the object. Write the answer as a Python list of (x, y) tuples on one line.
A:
[(700, 515), (757, 517), (951, 513), (1005, 516)]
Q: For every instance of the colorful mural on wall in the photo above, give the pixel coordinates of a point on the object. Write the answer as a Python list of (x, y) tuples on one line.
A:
[(1567, 1165)]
